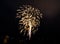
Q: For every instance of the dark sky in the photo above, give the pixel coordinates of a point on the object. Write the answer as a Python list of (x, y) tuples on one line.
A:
[(50, 24)]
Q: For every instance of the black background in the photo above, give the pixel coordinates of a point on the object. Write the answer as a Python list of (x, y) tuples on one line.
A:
[(49, 31)]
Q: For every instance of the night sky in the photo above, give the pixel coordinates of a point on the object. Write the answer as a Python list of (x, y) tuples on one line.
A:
[(49, 31)]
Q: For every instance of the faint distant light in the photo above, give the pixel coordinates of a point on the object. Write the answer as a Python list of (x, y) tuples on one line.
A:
[(5, 40)]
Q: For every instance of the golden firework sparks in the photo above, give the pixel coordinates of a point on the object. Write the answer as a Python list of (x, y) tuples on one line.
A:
[(29, 17)]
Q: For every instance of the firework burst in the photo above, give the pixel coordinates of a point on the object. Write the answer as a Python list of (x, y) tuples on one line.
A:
[(29, 19)]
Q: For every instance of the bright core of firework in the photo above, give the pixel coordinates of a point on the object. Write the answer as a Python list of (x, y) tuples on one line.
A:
[(29, 19)]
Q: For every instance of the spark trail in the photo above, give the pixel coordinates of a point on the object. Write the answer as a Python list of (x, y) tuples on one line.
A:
[(30, 28)]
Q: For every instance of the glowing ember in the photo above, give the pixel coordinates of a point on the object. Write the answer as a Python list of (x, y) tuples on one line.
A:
[(29, 19)]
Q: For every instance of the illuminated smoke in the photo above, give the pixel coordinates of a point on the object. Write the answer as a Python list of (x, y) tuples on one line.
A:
[(29, 19)]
